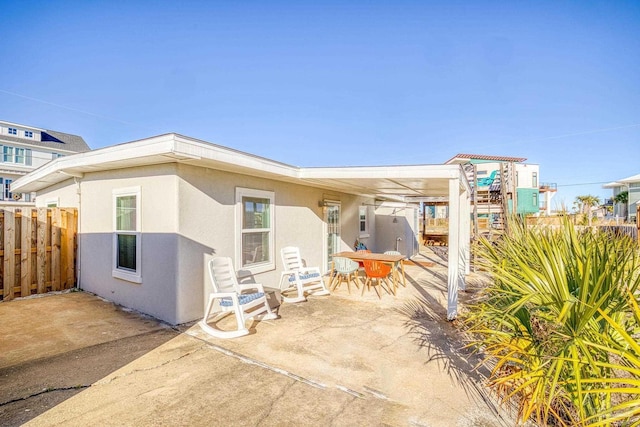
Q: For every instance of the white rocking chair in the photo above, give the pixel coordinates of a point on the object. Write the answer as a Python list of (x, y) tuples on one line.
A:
[(299, 279), (229, 296)]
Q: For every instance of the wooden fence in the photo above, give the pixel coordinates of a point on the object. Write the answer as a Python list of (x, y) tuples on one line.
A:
[(37, 250)]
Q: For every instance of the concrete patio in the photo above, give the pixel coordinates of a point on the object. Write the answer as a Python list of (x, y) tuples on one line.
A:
[(337, 360)]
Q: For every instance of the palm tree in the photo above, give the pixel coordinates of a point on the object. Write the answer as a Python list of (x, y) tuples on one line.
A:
[(623, 199), (585, 203)]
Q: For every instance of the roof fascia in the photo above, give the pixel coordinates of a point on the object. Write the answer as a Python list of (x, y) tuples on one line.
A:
[(90, 159), (634, 178), (200, 150), (412, 171)]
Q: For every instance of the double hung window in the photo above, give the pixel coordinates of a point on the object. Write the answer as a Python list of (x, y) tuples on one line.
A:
[(19, 157), (16, 155), (7, 154), (363, 230), (255, 229), (127, 236)]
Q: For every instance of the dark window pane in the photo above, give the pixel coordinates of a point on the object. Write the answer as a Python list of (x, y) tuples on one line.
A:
[(127, 251)]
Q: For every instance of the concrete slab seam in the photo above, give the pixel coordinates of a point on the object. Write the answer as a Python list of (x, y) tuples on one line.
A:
[(376, 393), (263, 365), (250, 361), (350, 391)]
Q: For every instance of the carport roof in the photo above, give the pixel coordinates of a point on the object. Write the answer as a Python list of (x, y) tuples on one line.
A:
[(401, 183)]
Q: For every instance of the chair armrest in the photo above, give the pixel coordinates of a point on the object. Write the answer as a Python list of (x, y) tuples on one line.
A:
[(310, 270), (248, 286), (224, 294)]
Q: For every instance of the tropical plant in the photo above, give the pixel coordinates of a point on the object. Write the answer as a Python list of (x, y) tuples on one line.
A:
[(623, 199), (556, 324), (585, 203)]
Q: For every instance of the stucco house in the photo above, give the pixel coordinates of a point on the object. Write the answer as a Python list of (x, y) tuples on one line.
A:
[(153, 212), (24, 148), (631, 185)]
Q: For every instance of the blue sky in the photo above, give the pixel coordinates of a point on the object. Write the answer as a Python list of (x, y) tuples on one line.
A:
[(340, 83)]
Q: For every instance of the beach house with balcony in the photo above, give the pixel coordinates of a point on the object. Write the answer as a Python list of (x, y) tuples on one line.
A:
[(25, 148)]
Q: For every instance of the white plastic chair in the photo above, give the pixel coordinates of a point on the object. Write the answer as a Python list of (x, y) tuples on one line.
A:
[(228, 296), (298, 278), (345, 269), (398, 266)]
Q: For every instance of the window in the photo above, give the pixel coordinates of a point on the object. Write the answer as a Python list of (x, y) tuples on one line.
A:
[(6, 193), (362, 220), (517, 180), (52, 203), (56, 155), (13, 131), (127, 236), (7, 154), (19, 157), (534, 179), (254, 232), (28, 134), (535, 200), (16, 155)]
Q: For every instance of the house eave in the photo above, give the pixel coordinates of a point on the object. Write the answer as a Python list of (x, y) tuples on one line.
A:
[(397, 183)]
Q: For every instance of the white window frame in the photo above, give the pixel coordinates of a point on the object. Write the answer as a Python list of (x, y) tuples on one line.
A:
[(7, 154), (22, 155), (534, 179), (28, 134), (120, 273), (13, 131), (53, 202), (363, 233), (271, 263)]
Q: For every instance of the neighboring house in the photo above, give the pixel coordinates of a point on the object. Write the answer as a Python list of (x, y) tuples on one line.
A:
[(25, 148), (632, 186), (531, 197), (153, 212)]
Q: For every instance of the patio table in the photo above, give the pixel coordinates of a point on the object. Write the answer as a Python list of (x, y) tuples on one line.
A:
[(394, 260)]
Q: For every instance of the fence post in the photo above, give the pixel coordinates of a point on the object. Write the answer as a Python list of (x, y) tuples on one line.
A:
[(41, 250), (55, 249), (638, 220), (25, 251), (9, 273)]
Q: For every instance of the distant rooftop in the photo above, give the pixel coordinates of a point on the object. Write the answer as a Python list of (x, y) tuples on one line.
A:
[(464, 158), (623, 182), (48, 138)]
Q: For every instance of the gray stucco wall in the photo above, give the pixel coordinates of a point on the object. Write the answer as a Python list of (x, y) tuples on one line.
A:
[(207, 226), (187, 217)]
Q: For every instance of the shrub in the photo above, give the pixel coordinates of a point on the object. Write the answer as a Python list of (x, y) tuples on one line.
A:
[(558, 324)]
